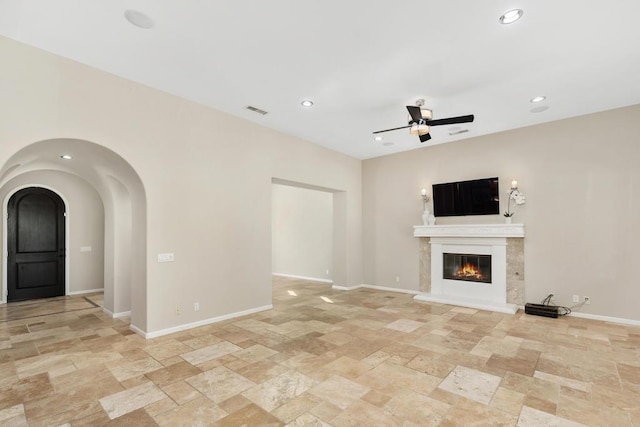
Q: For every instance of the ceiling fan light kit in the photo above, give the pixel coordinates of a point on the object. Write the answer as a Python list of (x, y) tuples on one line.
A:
[(420, 121), (419, 129)]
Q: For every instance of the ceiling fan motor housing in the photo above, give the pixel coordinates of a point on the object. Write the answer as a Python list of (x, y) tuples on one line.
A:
[(426, 114)]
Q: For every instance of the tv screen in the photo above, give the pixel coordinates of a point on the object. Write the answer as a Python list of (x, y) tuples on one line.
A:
[(476, 197)]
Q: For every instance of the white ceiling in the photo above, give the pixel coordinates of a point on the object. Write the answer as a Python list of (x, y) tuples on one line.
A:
[(360, 61)]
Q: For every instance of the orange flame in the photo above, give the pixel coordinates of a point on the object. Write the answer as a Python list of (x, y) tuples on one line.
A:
[(469, 270)]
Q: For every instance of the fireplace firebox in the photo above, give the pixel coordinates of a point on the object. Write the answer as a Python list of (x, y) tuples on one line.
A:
[(467, 267)]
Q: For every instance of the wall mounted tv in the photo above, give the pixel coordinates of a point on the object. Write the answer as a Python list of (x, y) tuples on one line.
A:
[(476, 197)]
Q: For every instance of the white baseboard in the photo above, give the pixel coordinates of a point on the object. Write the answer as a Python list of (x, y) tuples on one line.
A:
[(293, 276), (468, 302), (620, 320), (137, 330), (346, 288), (89, 291), (390, 289), (606, 318), (379, 288), (180, 328), (116, 315)]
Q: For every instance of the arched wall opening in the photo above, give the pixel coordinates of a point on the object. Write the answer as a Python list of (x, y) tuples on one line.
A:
[(120, 193)]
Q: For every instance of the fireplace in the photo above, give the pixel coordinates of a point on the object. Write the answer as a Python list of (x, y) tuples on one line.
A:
[(493, 251), (466, 267)]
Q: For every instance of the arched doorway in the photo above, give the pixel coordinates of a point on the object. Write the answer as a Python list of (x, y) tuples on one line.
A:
[(122, 199), (35, 244)]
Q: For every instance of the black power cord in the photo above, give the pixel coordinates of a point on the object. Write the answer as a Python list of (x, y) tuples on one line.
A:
[(562, 310)]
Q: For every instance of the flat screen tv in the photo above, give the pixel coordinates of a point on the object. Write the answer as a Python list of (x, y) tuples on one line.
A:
[(476, 197)]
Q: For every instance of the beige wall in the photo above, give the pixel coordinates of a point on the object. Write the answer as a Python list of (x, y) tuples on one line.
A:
[(207, 178), (85, 224), (582, 183), (302, 232)]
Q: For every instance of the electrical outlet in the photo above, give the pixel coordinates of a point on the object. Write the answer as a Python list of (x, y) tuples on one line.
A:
[(327, 271), (177, 310), (587, 300), (397, 279), (196, 306), (576, 298)]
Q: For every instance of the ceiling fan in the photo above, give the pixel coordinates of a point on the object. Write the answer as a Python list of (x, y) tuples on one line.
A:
[(420, 120)]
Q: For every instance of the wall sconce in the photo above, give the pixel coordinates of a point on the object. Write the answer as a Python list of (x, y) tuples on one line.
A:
[(425, 199), (515, 195), (427, 217)]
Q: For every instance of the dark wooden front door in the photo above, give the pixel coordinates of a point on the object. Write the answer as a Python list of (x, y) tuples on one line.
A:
[(35, 240)]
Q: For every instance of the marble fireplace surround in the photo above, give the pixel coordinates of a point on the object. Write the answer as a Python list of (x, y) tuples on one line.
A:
[(505, 244)]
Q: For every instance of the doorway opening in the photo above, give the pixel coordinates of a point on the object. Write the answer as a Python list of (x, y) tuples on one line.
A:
[(302, 233)]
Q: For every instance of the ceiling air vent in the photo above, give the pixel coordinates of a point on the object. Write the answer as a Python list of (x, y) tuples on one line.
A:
[(256, 110), (458, 132)]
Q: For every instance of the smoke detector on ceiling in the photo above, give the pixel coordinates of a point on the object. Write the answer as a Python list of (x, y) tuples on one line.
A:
[(139, 19)]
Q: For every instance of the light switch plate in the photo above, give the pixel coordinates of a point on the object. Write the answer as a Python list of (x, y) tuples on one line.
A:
[(165, 257)]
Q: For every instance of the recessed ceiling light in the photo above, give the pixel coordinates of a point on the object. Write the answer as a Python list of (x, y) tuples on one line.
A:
[(539, 109), (138, 19), (307, 103), (538, 99), (511, 16), (66, 157), (378, 138)]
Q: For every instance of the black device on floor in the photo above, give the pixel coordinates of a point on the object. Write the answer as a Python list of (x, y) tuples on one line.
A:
[(541, 310)]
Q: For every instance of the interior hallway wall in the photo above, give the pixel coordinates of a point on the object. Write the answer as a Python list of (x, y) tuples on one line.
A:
[(302, 232)]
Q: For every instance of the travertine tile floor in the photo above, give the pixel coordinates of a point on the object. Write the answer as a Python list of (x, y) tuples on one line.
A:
[(320, 357)]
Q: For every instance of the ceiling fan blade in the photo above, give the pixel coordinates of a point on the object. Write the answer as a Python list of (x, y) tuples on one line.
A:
[(415, 113), (387, 130), (451, 120), (425, 137)]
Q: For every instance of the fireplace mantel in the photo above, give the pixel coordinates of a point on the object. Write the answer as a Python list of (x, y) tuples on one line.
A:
[(469, 230)]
